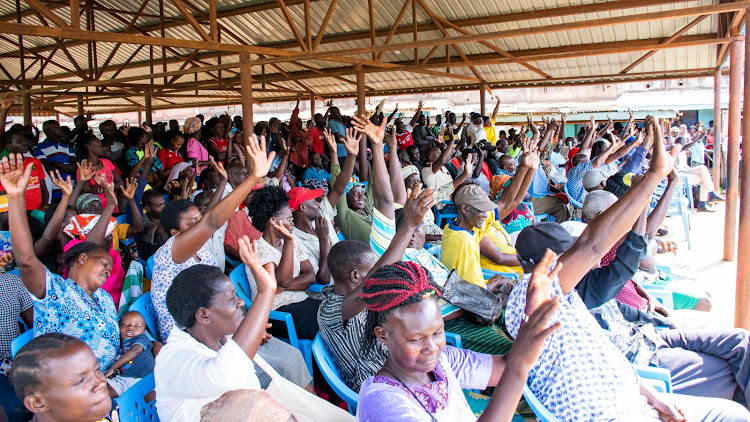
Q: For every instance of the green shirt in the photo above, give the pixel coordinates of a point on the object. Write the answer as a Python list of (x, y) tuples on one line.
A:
[(353, 225)]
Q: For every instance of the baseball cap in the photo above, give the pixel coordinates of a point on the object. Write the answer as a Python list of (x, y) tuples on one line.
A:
[(534, 240), (593, 178), (299, 195), (474, 195)]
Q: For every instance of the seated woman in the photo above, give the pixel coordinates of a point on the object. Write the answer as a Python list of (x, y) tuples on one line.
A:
[(190, 230), (212, 352), (422, 378), (59, 379), (90, 312), (280, 254), (138, 140), (101, 167)]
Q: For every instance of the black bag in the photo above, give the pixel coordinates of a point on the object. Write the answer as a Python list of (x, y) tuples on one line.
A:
[(485, 305)]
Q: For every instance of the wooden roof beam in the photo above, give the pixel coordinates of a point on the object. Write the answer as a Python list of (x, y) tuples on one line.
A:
[(190, 18), (292, 25), (394, 28), (324, 25), (676, 35), (47, 13)]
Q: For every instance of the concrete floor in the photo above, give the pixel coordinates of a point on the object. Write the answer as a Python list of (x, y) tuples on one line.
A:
[(703, 262)]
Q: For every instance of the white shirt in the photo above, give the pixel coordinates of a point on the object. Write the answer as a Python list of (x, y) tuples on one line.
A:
[(188, 375), (435, 180), (310, 243), (477, 133)]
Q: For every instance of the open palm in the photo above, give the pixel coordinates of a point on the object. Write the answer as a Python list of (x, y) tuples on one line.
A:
[(364, 125), (13, 176)]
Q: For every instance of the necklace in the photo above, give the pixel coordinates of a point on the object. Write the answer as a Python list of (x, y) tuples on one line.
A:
[(412, 393)]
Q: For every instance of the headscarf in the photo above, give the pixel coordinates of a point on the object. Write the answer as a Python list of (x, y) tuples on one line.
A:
[(313, 184), (407, 171), (192, 125), (353, 183), (84, 200)]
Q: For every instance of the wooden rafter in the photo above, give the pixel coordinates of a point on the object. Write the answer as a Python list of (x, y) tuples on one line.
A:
[(47, 13), (324, 25), (292, 25), (128, 29), (308, 27), (487, 44), (194, 23), (395, 26), (75, 14), (212, 21), (371, 19), (445, 34), (732, 29), (674, 37)]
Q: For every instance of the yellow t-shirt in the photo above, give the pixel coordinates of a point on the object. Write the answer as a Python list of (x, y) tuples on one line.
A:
[(491, 133), (120, 232), (460, 250)]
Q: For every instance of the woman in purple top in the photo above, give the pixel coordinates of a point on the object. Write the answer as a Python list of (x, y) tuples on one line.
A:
[(422, 379)]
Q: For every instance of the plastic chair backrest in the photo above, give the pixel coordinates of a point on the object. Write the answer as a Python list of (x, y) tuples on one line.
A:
[(570, 198), (122, 219), (341, 237), (149, 268), (241, 284), (20, 341), (332, 375), (454, 340), (659, 378), (537, 407), (145, 307), (132, 403)]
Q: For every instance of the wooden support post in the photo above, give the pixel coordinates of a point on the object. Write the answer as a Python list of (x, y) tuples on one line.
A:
[(140, 116), (26, 109), (312, 107), (246, 89), (147, 105), (482, 93), (360, 90), (733, 149), (80, 104), (742, 304), (718, 156)]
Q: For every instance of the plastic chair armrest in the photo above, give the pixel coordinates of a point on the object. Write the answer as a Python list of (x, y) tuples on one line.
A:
[(286, 318)]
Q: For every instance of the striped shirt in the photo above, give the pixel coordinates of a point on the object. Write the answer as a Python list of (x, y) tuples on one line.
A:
[(55, 152), (344, 339)]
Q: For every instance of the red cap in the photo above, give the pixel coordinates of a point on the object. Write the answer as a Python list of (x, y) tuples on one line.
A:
[(299, 195)]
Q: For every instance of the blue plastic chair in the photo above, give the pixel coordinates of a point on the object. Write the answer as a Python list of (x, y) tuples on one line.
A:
[(687, 190), (454, 340), (662, 294), (537, 407), (132, 404), (489, 274), (435, 251), (148, 269), (679, 205), (122, 219), (441, 215), (242, 286), (537, 217), (576, 204), (232, 262), (332, 375), (145, 307), (341, 237), (659, 378), (20, 341)]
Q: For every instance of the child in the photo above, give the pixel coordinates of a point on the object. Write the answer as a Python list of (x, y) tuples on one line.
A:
[(136, 355), (36, 193), (58, 378)]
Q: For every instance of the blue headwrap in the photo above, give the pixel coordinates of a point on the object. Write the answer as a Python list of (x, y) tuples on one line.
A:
[(353, 183)]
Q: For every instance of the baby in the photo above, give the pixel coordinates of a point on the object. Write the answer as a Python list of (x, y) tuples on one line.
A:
[(136, 355)]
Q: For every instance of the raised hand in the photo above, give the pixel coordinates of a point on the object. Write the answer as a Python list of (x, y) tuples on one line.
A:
[(351, 143), (469, 164), (219, 167), (249, 256), (363, 125), (129, 192), (85, 170), (109, 188), (100, 180), (540, 284), (66, 186), (256, 151), (89, 116), (530, 159), (321, 227), (421, 103), (330, 140), (7, 101), (14, 177), (662, 162), (417, 204), (285, 233)]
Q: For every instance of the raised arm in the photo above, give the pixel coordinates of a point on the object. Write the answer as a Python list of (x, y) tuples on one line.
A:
[(284, 271), (548, 132), (447, 153), (43, 245), (660, 210), (617, 220), (494, 111), (279, 173), (588, 139), (219, 192), (98, 234), (605, 129), (5, 104), (604, 157), (187, 243), (415, 209), (392, 115), (418, 113), (629, 124), (15, 179), (250, 332), (342, 180), (468, 170), (394, 170), (144, 165), (78, 129), (519, 185), (137, 225), (382, 194)]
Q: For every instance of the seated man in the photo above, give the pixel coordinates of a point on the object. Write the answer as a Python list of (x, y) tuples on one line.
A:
[(474, 234), (580, 374), (341, 316), (698, 175)]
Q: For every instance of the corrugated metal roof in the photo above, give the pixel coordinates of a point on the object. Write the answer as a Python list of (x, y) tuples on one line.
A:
[(268, 27)]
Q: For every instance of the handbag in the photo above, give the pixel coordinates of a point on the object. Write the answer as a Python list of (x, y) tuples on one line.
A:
[(486, 306), (305, 407)]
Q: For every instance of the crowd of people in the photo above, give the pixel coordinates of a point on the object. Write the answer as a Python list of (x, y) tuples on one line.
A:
[(341, 224)]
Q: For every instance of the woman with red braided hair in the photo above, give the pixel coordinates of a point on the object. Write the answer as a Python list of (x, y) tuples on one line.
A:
[(422, 378)]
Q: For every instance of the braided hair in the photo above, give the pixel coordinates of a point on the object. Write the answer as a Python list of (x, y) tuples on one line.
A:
[(391, 287), (29, 369)]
